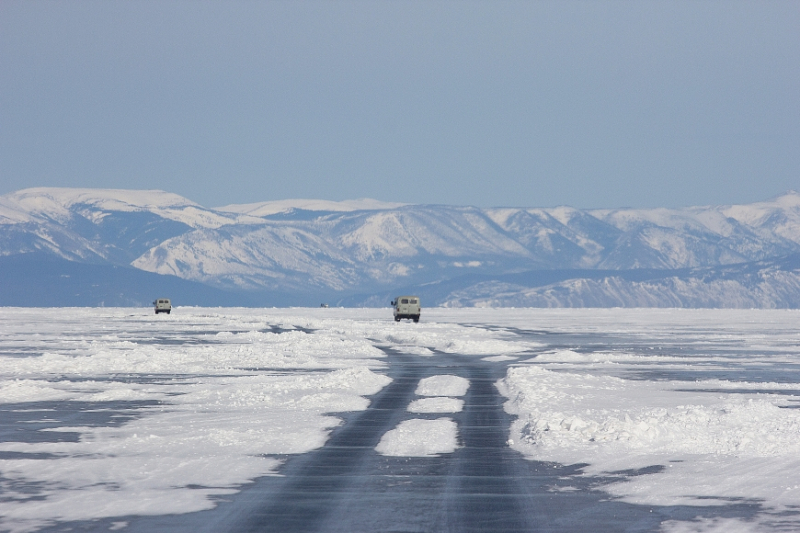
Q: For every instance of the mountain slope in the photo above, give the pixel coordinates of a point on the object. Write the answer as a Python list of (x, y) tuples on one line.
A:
[(312, 249), (762, 284), (44, 280)]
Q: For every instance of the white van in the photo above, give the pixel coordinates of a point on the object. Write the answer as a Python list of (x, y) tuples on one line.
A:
[(163, 305), (406, 307)]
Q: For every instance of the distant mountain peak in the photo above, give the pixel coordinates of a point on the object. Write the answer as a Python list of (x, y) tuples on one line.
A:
[(110, 199), (60, 203), (790, 198), (262, 209)]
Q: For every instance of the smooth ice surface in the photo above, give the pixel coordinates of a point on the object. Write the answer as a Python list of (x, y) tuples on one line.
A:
[(420, 438), (109, 413)]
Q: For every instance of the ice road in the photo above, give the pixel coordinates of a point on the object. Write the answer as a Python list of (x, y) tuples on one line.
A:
[(341, 420)]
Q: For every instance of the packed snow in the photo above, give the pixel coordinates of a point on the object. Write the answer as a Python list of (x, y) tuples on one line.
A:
[(168, 413), (443, 386), (420, 438), (436, 405), (426, 438)]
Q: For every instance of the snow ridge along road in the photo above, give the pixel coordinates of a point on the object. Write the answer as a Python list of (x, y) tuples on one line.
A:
[(273, 420)]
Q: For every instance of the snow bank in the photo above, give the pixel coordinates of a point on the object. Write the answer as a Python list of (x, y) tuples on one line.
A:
[(715, 447), (565, 413)]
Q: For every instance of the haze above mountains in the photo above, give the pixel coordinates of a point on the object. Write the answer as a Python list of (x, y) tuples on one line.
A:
[(126, 247)]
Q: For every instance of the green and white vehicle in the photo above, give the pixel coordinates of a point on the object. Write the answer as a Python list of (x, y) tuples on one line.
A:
[(406, 307)]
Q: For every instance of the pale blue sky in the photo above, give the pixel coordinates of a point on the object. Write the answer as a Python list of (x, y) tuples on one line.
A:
[(589, 104)]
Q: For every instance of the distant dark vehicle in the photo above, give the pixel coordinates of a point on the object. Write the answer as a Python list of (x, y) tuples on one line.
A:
[(163, 305), (324, 306), (406, 307)]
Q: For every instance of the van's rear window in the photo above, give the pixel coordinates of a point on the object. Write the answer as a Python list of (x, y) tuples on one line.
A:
[(404, 301)]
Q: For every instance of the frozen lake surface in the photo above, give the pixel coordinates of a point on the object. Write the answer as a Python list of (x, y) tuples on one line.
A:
[(343, 420)]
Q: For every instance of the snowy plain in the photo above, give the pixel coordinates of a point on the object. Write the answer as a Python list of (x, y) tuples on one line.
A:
[(117, 412)]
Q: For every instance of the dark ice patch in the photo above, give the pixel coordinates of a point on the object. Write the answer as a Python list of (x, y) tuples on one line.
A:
[(32, 422)]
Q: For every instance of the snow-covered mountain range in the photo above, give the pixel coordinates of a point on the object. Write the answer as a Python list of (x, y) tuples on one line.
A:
[(357, 252)]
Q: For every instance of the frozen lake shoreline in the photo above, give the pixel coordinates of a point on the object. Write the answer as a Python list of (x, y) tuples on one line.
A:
[(110, 414)]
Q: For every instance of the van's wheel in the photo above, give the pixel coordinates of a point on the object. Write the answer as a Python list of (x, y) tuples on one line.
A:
[(397, 319), (416, 319), (166, 312)]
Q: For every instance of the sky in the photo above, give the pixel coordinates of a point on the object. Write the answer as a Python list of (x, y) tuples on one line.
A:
[(485, 103)]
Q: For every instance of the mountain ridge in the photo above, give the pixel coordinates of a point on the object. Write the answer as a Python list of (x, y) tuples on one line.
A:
[(340, 250)]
